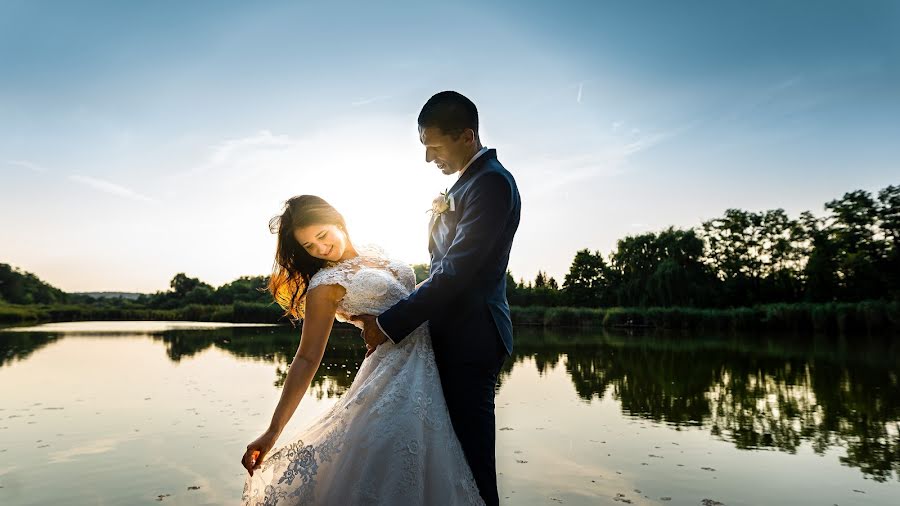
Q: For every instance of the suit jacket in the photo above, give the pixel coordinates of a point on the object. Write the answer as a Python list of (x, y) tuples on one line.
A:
[(464, 298)]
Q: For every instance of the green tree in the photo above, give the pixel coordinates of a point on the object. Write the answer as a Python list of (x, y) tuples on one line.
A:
[(664, 269), (20, 287), (758, 256), (552, 284), (889, 225), (181, 285), (853, 224), (820, 272), (244, 289), (510, 288), (586, 283), (422, 272), (733, 244)]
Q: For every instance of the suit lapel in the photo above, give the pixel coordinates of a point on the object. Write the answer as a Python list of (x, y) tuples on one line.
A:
[(432, 221), (457, 189), (476, 167)]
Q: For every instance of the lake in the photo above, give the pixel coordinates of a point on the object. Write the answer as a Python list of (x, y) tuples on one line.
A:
[(161, 412)]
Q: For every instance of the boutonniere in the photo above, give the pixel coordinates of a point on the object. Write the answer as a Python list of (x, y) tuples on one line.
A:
[(442, 203)]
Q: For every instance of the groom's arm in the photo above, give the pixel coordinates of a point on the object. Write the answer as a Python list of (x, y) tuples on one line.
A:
[(487, 208)]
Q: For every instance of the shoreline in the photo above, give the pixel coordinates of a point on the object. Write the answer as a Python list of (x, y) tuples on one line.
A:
[(868, 317)]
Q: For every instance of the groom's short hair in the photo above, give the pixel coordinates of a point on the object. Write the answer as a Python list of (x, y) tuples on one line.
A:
[(451, 112)]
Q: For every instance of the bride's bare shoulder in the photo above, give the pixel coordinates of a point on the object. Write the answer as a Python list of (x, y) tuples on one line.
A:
[(330, 293)]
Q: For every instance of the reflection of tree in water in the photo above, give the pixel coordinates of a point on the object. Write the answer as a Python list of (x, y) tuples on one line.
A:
[(781, 403), (645, 388), (862, 405), (19, 345), (764, 402), (342, 358), (755, 393), (758, 394), (340, 363)]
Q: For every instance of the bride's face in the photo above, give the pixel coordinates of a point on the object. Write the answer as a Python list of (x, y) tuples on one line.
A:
[(449, 154), (326, 242)]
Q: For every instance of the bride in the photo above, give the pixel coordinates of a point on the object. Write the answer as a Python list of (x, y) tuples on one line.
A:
[(388, 440)]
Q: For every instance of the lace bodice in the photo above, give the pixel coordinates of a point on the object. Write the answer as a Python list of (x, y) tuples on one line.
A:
[(374, 282)]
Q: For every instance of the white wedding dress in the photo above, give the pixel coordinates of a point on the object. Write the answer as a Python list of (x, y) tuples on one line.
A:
[(388, 440)]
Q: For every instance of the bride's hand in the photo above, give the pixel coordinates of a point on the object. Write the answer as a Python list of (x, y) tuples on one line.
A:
[(257, 450)]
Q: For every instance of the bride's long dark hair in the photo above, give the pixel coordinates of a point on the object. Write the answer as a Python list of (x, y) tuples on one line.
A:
[(294, 266)]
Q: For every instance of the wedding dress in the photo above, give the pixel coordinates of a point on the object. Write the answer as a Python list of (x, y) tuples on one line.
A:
[(388, 440)]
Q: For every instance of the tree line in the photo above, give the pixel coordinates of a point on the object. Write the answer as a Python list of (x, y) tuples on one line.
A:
[(741, 259)]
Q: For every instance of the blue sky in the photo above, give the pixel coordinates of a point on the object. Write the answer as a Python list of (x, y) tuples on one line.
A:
[(142, 139)]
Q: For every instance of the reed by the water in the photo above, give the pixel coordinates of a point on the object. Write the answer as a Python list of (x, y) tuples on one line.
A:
[(870, 317)]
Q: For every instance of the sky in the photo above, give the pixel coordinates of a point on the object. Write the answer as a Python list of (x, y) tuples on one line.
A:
[(143, 139)]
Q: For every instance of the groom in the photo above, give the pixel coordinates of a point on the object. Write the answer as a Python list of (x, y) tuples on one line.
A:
[(464, 299)]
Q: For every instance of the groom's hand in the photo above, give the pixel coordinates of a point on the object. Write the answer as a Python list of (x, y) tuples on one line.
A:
[(371, 334)]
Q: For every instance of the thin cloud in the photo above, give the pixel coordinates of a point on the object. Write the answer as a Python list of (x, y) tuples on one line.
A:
[(232, 151), (609, 160), (569, 169), (28, 165), (645, 142), (367, 101), (580, 90), (762, 98), (264, 139), (111, 188)]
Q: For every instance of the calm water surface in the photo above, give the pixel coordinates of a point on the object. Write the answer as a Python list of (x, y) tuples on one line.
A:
[(160, 412)]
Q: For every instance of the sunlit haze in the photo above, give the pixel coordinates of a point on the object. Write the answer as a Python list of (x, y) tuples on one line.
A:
[(139, 140)]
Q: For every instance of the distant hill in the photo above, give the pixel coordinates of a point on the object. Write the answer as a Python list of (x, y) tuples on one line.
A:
[(20, 287), (110, 295)]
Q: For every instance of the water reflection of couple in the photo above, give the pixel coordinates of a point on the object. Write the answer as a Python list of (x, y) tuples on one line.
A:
[(417, 424)]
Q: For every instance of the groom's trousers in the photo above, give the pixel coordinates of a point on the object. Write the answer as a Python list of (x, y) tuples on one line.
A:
[(469, 387)]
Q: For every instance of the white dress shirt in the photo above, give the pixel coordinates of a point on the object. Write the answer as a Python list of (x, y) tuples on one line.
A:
[(479, 153)]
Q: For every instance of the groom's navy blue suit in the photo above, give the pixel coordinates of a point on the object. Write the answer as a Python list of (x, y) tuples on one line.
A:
[(464, 301)]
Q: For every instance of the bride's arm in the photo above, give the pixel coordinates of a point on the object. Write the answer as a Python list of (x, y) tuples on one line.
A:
[(321, 305)]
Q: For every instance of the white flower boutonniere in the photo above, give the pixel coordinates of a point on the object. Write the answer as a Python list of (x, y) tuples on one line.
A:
[(442, 203)]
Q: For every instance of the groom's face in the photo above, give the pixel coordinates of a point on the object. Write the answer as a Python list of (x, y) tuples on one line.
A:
[(447, 153)]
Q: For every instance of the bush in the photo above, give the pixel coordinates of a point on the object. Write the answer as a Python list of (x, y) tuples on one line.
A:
[(256, 312), (531, 315), (17, 314)]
